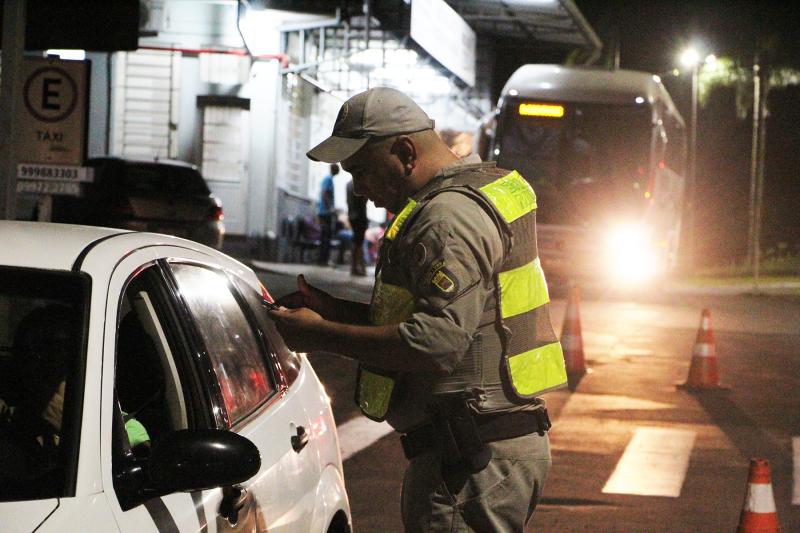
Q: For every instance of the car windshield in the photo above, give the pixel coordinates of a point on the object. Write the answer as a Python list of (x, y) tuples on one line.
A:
[(159, 179), (589, 159), (41, 353)]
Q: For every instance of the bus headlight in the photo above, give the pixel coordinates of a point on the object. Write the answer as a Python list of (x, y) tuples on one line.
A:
[(631, 256)]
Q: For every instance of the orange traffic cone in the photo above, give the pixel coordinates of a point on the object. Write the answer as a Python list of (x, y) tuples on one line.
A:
[(572, 340), (703, 372), (758, 512)]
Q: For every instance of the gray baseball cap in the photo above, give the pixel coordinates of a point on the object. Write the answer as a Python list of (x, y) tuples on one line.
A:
[(377, 112)]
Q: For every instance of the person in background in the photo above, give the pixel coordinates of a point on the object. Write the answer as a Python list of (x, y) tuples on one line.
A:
[(327, 215), (357, 215)]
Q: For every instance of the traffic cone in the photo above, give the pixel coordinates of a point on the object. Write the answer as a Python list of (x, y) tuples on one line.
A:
[(572, 340), (758, 512), (703, 372)]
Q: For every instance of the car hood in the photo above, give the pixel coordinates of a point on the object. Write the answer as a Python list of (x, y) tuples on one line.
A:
[(26, 515)]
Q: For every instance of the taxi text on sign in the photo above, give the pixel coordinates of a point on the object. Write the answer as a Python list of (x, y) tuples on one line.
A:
[(53, 126)]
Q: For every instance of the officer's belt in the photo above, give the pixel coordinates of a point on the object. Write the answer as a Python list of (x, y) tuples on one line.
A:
[(490, 428)]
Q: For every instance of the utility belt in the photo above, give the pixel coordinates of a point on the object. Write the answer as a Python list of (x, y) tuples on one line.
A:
[(462, 435)]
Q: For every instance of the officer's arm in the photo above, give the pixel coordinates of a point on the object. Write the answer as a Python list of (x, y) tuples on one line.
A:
[(329, 307), (349, 312), (378, 346)]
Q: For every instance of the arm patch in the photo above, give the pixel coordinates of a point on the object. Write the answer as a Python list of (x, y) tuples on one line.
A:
[(439, 279)]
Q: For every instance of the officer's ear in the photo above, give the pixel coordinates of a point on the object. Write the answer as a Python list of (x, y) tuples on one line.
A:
[(406, 151)]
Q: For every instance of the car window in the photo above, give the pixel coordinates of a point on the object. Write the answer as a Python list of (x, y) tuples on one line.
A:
[(42, 324), (288, 360), (148, 385), (234, 349), (158, 179)]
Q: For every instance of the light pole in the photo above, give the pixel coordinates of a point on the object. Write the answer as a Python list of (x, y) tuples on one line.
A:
[(760, 93), (690, 58)]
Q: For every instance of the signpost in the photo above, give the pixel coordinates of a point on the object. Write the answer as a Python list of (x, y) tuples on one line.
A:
[(13, 42)]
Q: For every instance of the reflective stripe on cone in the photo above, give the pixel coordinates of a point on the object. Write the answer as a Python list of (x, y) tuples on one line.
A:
[(758, 512)]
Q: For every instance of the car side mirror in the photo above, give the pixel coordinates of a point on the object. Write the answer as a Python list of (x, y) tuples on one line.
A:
[(198, 459)]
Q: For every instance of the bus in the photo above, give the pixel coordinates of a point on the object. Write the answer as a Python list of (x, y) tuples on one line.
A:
[(605, 152)]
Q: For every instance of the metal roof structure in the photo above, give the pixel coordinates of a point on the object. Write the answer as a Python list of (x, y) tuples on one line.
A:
[(534, 21)]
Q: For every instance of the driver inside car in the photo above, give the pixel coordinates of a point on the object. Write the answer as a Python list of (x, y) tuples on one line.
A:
[(32, 414)]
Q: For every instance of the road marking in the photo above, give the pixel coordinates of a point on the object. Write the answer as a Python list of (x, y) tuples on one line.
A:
[(796, 484), (654, 463), (360, 433)]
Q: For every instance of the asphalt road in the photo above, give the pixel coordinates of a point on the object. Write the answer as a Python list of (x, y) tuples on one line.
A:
[(627, 431)]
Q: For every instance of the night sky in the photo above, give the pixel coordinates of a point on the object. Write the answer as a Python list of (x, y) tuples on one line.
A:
[(650, 35)]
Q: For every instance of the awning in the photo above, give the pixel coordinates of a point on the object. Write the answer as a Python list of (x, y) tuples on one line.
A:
[(542, 21)]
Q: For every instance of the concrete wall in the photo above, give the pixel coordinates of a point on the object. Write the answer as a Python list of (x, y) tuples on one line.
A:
[(97, 143)]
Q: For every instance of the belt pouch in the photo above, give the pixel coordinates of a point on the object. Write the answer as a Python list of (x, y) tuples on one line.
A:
[(460, 441)]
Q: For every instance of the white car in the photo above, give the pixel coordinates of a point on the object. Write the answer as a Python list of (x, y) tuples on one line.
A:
[(144, 388)]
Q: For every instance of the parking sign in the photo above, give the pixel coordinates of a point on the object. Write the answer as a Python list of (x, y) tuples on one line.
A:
[(53, 129)]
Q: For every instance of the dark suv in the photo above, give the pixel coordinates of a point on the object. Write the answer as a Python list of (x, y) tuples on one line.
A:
[(159, 196)]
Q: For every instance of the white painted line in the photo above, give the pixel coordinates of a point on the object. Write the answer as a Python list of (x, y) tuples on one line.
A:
[(360, 433), (796, 484), (654, 463)]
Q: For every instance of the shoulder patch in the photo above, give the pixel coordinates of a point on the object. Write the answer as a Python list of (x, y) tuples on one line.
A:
[(441, 280), (444, 281)]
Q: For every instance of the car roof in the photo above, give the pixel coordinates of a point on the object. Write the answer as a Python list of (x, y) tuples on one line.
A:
[(44, 245), (58, 246)]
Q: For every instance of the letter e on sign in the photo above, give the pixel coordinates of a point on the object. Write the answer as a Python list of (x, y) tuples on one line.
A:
[(50, 94)]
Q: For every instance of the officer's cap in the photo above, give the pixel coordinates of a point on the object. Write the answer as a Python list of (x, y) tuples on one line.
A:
[(377, 112)]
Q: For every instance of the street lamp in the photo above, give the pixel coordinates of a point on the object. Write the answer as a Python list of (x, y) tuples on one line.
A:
[(690, 59)]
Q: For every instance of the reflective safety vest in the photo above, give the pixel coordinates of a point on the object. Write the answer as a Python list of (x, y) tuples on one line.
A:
[(515, 337)]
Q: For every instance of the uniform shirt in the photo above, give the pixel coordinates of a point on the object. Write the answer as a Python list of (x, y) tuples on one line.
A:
[(453, 233)]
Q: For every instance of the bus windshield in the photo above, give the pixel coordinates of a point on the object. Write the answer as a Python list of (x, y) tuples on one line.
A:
[(592, 160)]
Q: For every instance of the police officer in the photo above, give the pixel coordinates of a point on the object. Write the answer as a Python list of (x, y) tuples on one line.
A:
[(456, 345)]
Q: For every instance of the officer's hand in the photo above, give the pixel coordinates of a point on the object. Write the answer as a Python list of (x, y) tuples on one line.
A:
[(310, 297), (298, 327)]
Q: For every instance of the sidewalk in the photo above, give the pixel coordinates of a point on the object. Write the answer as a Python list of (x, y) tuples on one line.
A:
[(337, 275)]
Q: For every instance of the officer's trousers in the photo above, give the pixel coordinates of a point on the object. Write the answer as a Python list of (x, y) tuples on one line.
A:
[(499, 498)]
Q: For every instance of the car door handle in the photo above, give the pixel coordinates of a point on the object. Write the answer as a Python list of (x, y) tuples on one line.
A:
[(300, 440), (233, 501)]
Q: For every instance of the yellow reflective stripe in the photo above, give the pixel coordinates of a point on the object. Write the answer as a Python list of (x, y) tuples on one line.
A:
[(401, 217), (522, 289), (538, 370), (391, 304), (511, 195), (374, 393)]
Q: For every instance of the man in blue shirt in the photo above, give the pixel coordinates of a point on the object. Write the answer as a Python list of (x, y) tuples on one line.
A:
[(327, 215)]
